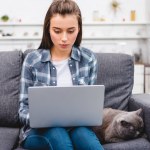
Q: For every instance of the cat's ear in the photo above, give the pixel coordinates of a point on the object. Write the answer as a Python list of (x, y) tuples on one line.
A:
[(138, 112)]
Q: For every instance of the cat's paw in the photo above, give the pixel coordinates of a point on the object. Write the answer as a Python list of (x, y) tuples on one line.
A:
[(144, 135), (115, 140)]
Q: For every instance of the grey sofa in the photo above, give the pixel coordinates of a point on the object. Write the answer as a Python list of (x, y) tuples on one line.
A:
[(115, 71)]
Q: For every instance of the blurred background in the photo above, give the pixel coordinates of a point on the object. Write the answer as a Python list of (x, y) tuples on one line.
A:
[(110, 26)]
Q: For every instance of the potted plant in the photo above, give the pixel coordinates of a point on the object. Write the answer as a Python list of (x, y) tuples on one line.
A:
[(5, 18), (115, 6)]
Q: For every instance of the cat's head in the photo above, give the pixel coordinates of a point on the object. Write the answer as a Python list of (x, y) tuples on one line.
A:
[(129, 124)]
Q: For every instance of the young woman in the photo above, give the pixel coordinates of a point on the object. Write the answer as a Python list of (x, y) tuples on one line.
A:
[(59, 61)]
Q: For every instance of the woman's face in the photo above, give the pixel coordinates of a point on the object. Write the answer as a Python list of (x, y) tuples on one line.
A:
[(63, 32)]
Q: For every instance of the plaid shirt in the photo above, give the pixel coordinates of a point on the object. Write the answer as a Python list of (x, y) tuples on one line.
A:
[(38, 70)]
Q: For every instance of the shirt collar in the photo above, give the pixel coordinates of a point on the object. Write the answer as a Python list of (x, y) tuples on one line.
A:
[(75, 54), (45, 55)]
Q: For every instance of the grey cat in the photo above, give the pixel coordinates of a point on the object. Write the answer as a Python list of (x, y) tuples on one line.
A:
[(119, 125)]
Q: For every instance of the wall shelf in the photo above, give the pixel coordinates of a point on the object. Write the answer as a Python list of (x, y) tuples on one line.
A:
[(114, 23), (84, 23), (115, 38), (84, 38), (92, 30), (19, 24), (19, 38), (124, 36)]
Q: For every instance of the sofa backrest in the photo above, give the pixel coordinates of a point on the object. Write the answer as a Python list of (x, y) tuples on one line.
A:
[(116, 72), (10, 71)]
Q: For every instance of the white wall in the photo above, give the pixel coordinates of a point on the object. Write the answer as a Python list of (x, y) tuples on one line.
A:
[(148, 27), (26, 10), (103, 6), (34, 10)]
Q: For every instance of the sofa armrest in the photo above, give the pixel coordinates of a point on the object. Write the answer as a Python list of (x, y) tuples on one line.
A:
[(142, 101)]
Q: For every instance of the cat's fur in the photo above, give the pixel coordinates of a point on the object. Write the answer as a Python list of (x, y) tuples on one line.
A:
[(119, 125)]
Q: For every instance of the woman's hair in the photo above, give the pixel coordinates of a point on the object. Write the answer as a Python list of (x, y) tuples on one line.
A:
[(62, 7)]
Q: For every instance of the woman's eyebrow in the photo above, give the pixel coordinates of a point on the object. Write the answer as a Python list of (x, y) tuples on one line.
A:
[(60, 28), (56, 28), (71, 28)]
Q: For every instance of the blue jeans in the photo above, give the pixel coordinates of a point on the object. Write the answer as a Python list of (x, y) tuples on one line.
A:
[(79, 138)]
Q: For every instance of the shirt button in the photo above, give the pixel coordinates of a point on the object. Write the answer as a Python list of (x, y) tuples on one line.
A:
[(70, 65), (53, 68), (73, 78), (53, 81)]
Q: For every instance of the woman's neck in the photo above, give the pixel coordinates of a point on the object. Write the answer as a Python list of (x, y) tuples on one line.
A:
[(58, 55)]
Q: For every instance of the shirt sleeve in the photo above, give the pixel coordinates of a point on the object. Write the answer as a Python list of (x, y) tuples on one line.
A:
[(93, 70), (26, 81)]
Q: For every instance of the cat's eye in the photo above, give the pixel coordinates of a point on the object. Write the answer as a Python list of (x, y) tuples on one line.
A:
[(125, 123)]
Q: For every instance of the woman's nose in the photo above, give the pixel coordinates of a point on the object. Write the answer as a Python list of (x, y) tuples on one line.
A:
[(64, 36)]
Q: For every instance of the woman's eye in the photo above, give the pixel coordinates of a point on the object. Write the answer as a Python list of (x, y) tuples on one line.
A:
[(70, 31), (57, 31)]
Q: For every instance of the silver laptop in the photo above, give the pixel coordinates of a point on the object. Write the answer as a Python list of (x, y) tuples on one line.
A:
[(53, 106)]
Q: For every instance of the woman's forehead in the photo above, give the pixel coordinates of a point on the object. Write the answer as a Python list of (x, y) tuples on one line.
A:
[(61, 21)]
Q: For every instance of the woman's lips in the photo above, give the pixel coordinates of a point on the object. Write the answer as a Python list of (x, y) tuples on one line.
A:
[(64, 45)]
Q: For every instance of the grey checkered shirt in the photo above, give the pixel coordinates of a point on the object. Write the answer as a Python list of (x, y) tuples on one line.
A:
[(38, 70)]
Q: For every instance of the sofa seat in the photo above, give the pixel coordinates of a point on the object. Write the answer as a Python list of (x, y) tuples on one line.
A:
[(8, 137), (140, 143)]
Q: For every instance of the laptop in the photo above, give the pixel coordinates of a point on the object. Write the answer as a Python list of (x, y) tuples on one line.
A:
[(54, 106)]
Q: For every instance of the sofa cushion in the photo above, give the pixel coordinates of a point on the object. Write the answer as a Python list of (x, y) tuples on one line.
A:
[(10, 71), (116, 72), (8, 138), (142, 101), (136, 144), (20, 149)]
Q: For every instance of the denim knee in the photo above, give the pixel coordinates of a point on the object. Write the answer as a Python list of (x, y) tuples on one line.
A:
[(59, 138), (37, 142), (84, 138), (48, 139)]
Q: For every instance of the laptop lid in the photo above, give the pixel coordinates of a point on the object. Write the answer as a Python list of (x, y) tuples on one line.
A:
[(53, 106)]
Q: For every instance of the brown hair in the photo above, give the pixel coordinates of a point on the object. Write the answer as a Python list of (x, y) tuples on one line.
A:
[(62, 7)]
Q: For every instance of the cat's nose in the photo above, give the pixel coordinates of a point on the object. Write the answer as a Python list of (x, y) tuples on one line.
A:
[(131, 128), (137, 133)]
